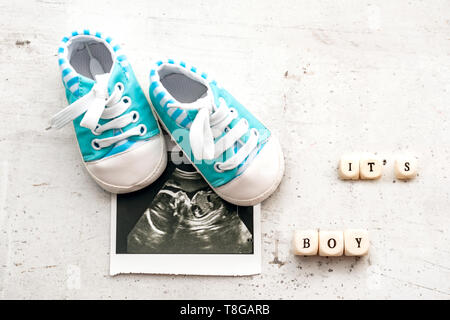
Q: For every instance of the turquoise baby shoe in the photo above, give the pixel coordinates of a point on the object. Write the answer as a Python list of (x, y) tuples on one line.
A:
[(118, 136), (236, 154)]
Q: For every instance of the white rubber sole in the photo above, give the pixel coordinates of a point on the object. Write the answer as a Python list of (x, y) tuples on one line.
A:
[(159, 169), (246, 202), (267, 193), (162, 163)]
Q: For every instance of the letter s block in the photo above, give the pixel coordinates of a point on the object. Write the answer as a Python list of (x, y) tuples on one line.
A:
[(405, 168), (305, 242), (331, 243)]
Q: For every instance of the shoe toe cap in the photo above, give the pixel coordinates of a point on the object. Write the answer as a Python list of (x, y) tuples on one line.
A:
[(133, 169), (259, 180)]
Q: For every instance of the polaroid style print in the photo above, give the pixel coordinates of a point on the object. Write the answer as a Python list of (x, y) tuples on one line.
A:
[(178, 225)]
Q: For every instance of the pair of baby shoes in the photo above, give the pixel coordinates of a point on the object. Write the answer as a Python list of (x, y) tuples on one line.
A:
[(121, 142)]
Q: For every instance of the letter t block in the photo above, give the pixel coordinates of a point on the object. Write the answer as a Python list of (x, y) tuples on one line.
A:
[(370, 167), (306, 242)]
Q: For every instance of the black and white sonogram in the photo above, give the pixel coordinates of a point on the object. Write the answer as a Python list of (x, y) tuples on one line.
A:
[(187, 217)]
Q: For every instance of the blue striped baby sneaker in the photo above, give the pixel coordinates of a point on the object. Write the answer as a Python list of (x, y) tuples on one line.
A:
[(235, 153), (118, 136)]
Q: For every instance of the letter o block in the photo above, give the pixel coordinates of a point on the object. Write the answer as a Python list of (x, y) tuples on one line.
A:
[(331, 243), (305, 242)]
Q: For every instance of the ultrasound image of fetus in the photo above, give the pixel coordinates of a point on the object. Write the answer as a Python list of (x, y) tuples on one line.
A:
[(187, 217)]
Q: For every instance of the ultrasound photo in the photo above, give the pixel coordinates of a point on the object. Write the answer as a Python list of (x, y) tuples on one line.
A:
[(178, 225), (186, 216)]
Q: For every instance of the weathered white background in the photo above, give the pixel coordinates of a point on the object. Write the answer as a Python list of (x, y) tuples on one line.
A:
[(328, 77)]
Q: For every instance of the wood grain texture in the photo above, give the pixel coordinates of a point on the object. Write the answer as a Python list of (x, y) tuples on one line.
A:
[(328, 77)]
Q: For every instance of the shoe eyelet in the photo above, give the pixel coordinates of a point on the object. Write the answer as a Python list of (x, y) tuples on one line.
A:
[(234, 113), (119, 86), (254, 131), (142, 130), (134, 116), (95, 133), (217, 167), (126, 100), (95, 145)]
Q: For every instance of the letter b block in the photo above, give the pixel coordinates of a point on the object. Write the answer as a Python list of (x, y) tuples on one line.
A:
[(306, 242), (331, 243)]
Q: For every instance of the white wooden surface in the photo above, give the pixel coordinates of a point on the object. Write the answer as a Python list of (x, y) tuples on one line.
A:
[(327, 76)]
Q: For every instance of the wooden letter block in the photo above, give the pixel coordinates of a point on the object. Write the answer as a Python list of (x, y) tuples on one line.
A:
[(349, 167), (370, 168), (356, 242), (405, 168), (331, 243), (306, 242)]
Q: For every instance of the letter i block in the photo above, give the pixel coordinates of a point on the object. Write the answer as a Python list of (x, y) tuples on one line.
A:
[(349, 167), (356, 242), (331, 243), (306, 242)]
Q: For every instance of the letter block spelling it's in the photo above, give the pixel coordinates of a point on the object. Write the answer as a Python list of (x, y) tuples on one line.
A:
[(405, 168), (370, 168), (349, 167)]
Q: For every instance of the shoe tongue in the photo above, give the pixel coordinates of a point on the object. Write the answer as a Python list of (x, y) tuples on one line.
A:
[(102, 81), (102, 78), (204, 102), (86, 83)]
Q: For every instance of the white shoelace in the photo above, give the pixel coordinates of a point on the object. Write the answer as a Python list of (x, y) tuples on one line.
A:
[(209, 124), (98, 105)]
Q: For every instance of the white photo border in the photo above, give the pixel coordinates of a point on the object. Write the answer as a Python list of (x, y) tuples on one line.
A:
[(186, 264)]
